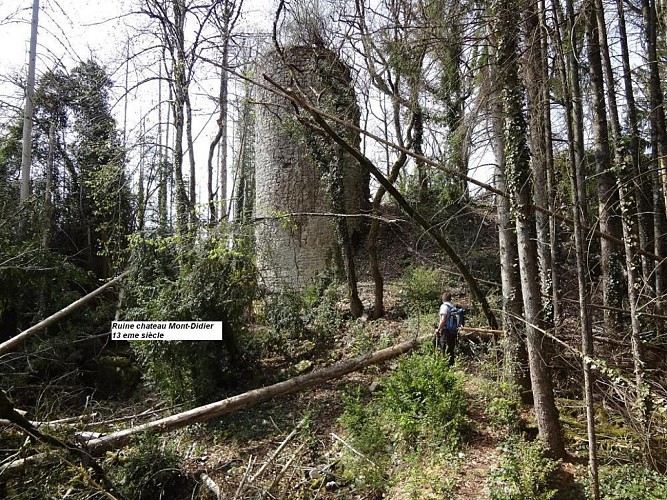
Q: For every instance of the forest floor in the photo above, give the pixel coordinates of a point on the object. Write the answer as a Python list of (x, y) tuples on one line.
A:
[(291, 447)]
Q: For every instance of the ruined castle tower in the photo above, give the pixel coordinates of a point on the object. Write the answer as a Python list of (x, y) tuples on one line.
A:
[(292, 250)]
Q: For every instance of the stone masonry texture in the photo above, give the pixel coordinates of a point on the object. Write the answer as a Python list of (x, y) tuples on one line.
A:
[(291, 251)]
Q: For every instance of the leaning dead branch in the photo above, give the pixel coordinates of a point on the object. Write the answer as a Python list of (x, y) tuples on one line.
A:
[(280, 475), (17, 467), (19, 339), (53, 424), (352, 449), (242, 484)]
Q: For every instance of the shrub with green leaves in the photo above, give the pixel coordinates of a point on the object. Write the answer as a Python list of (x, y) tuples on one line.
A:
[(285, 313), (300, 321), (419, 412), (425, 401), (150, 470), (174, 280), (422, 289), (523, 471), (629, 482), (502, 409)]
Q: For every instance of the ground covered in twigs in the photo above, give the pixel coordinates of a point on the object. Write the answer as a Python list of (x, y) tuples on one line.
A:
[(342, 439)]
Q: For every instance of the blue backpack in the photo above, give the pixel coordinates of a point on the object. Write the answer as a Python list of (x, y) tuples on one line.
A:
[(456, 319)]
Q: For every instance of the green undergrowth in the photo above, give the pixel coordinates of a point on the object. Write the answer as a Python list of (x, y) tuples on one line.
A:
[(417, 417), (629, 482), (523, 472)]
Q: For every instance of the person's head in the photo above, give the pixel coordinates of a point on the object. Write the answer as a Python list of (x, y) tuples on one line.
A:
[(447, 297)]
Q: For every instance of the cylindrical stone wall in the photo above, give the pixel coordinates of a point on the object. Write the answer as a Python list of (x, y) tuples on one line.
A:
[(291, 251)]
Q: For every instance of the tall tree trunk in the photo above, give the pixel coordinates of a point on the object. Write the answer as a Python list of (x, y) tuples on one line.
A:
[(534, 69), (551, 175), (640, 174), (607, 194), (219, 142), (452, 84), (192, 202), (518, 172), (417, 146), (48, 215), (163, 168), (243, 189), (182, 202), (516, 358), (659, 146), (371, 241), (26, 151), (574, 95)]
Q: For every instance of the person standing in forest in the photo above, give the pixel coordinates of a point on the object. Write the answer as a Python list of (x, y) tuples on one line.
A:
[(447, 331)]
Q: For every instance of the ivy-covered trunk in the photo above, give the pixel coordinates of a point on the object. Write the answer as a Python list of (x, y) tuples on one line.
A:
[(519, 183), (534, 72), (516, 355)]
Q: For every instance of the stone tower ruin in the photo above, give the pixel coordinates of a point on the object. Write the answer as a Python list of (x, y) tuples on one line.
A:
[(292, 250)]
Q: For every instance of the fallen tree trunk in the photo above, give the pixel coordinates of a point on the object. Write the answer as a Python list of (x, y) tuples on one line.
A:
[(207, 412), (14, 342)]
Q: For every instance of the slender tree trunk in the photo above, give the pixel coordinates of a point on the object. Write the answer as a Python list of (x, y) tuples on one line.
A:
[(516, 358), (175, 39), (655, 90), (374, 262), (551, 176), (575, 97), (640, 174), (534, 69), (163, 164), (26, 152), (224, 102), (48, 188), (48, 215), (418, 141), (518, 172), (244, 184), (611, 266), (192, 202), (659, 146), (455, 104)]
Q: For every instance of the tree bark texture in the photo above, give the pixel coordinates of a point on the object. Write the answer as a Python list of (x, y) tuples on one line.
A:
[(518, 173)]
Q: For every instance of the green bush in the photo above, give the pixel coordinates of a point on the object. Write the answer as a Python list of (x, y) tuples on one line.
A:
[(285, 313), (422, 289), (503, 408), (298, 322), (174, 280), (150, 470), (421, 408), (425, 401), (629, 482), (523, 472)]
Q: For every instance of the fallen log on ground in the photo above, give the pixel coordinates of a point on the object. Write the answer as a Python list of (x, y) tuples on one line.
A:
[(484, 333), (247, 399)]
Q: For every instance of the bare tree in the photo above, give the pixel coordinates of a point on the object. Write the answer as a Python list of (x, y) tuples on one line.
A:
[(26, 156)]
